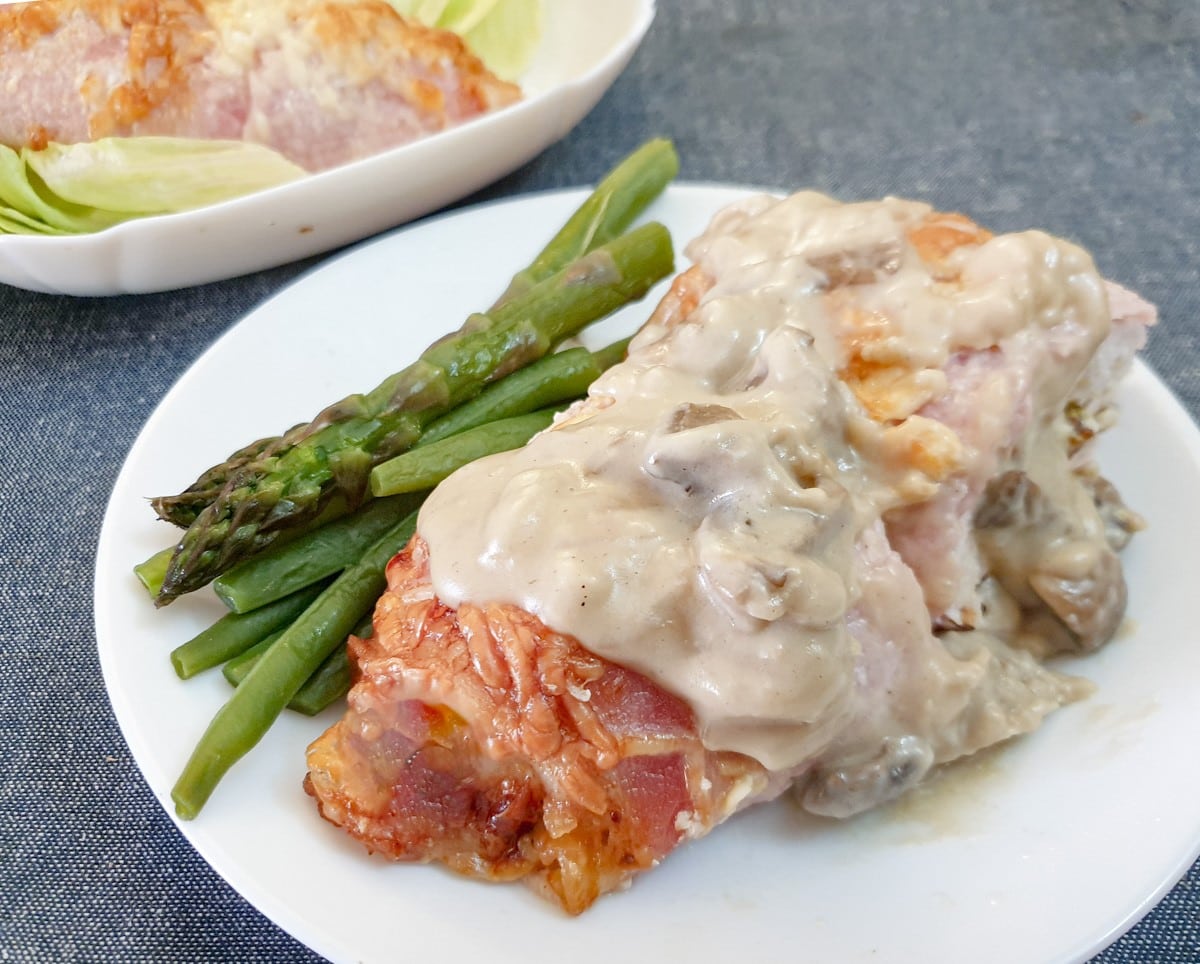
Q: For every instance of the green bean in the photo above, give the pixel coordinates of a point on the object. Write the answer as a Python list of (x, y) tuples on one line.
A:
[(610, 355), (423, 468), (283, 569), (283, 669), (326, 686), (234, 633), (152, 571), (238, 668), (329, 683)]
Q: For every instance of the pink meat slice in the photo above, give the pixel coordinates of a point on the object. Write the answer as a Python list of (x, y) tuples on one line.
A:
[(988, 403)]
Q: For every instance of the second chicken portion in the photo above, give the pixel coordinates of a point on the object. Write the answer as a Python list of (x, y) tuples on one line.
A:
[(818, 532), (322, 82)]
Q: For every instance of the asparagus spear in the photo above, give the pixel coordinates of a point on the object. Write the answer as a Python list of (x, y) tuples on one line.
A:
[(614, 204), (153, 570), (183, 508), (283, 669), (618, 198), (277, 571), (268, 496)]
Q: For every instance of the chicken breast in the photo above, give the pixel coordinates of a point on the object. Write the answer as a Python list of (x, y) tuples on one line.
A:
[(817, 532), (322, 82)]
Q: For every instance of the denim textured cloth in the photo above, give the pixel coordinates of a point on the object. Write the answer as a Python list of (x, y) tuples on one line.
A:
[(1079, 116)]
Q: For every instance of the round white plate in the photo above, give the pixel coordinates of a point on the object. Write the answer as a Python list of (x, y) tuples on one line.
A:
[(585, 45), (1042, 851)]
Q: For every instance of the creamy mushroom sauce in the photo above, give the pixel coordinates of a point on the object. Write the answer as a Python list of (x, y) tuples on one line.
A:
[(698, 517)]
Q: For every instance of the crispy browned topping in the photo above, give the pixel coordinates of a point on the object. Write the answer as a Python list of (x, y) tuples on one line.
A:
[(166, 38), (891, 392), (682, 298), (427, 96), (38, 137), (940, 234), (358, 34), (25, 23)]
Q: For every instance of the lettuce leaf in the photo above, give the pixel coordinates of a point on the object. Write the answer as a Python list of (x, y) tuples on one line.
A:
[(78, 188), (504, 34)]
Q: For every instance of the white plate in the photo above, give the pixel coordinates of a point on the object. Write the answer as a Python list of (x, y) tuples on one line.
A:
[(1042, 852), (584, 47)]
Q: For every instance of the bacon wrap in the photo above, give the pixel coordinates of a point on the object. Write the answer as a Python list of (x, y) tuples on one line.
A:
[(482, 739)]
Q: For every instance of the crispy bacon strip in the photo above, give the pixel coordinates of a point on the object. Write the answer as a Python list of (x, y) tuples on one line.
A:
[(481, 739)]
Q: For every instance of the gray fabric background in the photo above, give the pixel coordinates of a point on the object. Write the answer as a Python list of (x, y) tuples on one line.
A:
[(1078, 116)]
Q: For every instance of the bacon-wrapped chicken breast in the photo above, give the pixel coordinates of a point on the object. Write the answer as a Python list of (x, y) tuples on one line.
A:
[(818, 532)]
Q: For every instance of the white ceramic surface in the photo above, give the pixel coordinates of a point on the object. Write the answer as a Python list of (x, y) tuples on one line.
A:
[(585, 46), (1041, 852)]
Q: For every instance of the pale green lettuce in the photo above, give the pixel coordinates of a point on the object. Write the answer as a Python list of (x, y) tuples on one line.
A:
[(78, 188), (504, 34)]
